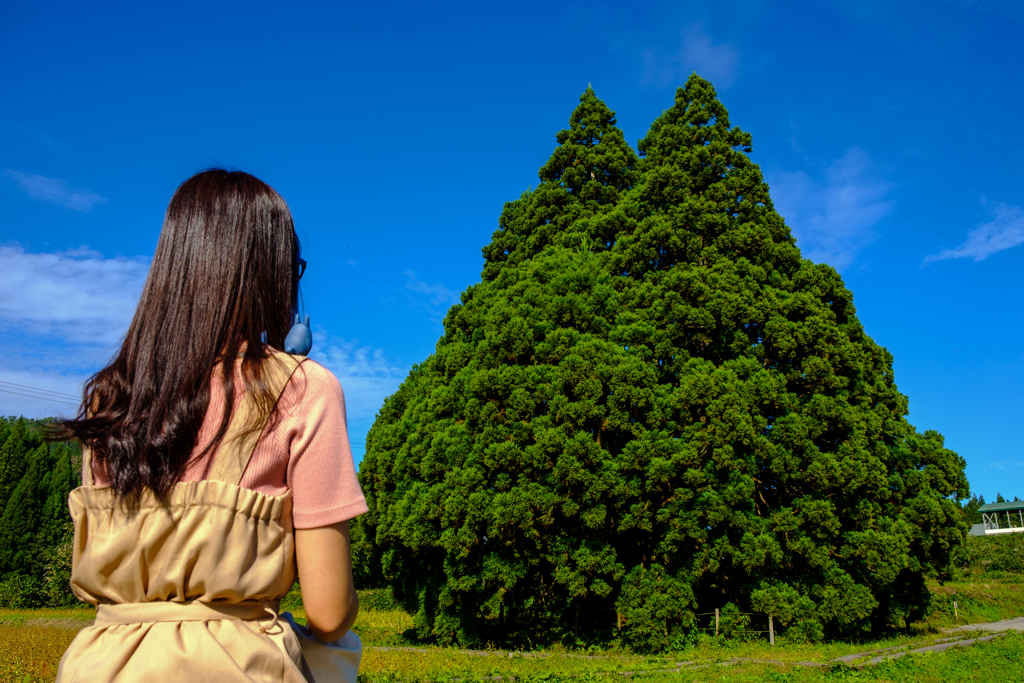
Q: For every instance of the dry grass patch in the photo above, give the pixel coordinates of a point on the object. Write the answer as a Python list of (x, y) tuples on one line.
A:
[(32, 653)]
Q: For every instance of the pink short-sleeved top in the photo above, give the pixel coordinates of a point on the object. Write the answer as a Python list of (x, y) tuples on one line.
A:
[(306, 451)]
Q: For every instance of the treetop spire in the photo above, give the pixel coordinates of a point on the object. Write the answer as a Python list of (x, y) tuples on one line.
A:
[(593, 159), (582, 180)]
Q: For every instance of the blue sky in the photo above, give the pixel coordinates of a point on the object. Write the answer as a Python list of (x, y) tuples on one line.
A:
[(888, 132)]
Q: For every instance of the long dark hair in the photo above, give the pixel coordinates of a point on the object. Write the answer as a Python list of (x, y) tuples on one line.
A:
[(224, 276)]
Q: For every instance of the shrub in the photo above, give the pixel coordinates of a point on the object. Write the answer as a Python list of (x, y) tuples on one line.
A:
[(996, 553), (22, 592)]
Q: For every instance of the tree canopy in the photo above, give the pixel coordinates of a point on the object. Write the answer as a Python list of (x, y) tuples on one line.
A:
[(651, 406)]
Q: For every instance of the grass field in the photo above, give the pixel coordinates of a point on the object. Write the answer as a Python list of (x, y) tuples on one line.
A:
[(32, 641)]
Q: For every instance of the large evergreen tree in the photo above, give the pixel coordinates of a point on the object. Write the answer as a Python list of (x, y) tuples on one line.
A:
[(652, 406), (488, 490)]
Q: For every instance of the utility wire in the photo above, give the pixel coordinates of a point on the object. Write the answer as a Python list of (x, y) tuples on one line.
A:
[(44, 398), (39, 391)]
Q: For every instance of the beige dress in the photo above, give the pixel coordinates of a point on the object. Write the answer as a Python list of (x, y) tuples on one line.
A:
[(187, 591)]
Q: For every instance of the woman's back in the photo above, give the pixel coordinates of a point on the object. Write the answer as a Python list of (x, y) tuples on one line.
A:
[(305, 450), (188, 588), (216, 476)]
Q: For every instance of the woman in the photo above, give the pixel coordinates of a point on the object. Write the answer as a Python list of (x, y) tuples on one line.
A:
[(213, 462)]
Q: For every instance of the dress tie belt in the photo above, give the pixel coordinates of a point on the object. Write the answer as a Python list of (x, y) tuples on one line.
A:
[(151, 612)]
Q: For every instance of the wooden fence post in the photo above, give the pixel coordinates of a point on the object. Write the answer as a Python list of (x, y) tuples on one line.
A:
[(771, 630), (955, 613), (716, 621)]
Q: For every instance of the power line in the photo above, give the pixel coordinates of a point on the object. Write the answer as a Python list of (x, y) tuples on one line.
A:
[(40, 391), (44, 398)]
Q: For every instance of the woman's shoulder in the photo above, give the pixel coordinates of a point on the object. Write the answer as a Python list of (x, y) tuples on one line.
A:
[(312, 381)]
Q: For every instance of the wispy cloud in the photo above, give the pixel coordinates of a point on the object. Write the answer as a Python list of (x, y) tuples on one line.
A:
[(1004, 464), (1004, 231), (61, 316), (78, 295), (55, 191), (718, 63), (439, 294), (833, 217), (366, 374), (438, 297), (63, 313)]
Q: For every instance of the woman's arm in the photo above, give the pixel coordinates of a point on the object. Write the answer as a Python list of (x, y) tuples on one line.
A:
[(325, 577)]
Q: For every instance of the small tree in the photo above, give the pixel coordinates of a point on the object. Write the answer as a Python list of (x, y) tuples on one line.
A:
[(971, 509)]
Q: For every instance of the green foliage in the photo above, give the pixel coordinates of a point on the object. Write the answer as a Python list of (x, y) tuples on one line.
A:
[(655, 608), (57, 576), (784, 603), (971, 509), (996, 553), (378, 600), (733, 623), (365, 572), (19, 591), (650, 406), (35, 525)]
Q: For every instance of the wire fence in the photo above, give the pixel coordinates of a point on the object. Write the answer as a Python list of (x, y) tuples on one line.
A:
[(720, 622)]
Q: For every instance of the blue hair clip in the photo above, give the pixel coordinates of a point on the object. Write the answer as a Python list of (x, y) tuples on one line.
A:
[(300, 339)]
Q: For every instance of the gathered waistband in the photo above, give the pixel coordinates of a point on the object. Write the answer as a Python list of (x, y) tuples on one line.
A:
[(150, 612)]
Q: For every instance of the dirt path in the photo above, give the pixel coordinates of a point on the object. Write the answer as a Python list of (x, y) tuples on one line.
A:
[(1004, 625), (888, 653)]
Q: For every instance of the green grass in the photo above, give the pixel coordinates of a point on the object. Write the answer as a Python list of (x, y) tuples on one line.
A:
[(980, 597), (71, 615), (33, 640), (998, 661)]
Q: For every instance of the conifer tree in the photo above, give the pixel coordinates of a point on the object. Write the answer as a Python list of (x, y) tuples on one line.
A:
[(12, 458), (488, 489), (653, 406), (780, 472), (34, 515), (576, 202), (20, 521)]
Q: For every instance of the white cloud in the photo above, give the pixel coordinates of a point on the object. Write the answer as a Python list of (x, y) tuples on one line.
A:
[(61, 316), (37, 394), (439, 300), (77, 296), (365, 373), (833, 218), (439, 294), (1005, 230), (55, 191), (717, 63)]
